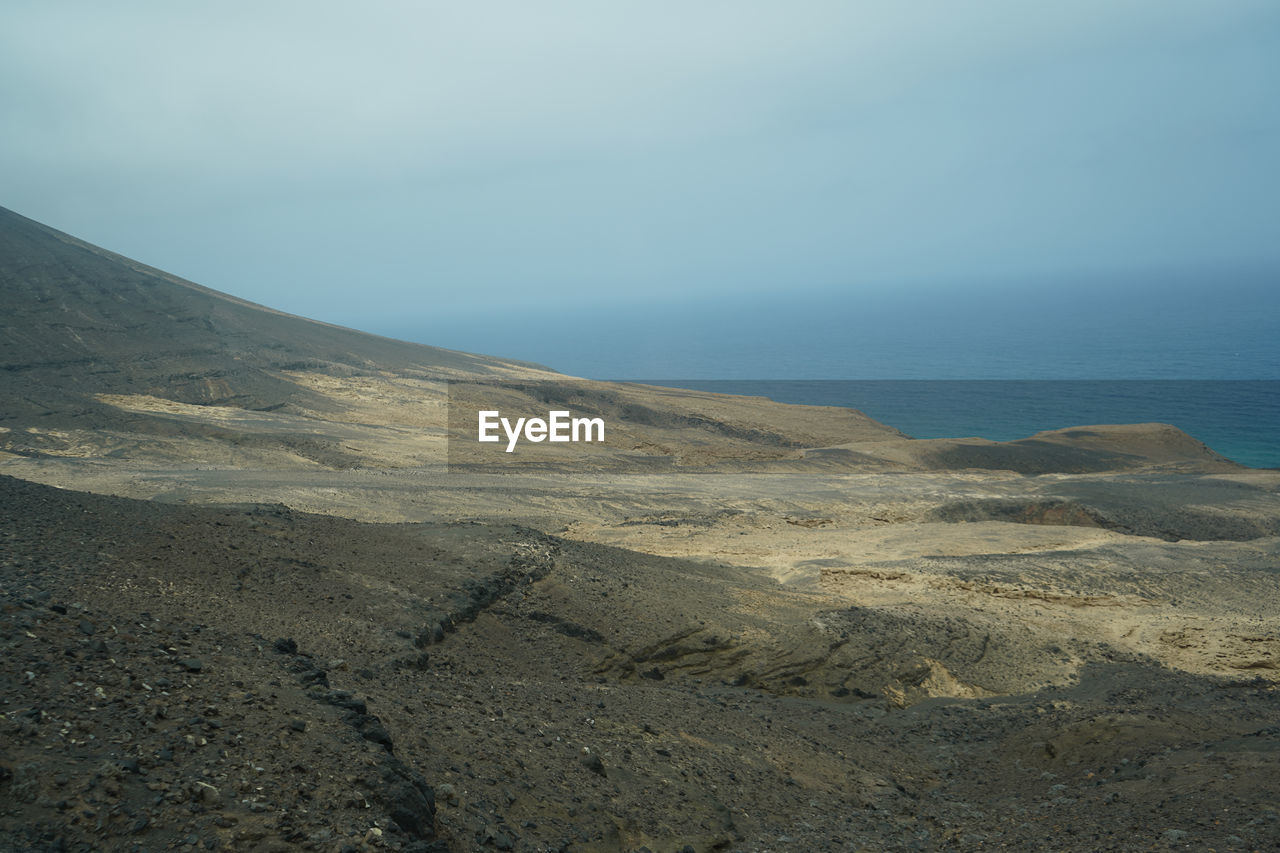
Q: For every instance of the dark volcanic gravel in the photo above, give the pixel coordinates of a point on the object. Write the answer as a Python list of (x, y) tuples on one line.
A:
[(254, 678)]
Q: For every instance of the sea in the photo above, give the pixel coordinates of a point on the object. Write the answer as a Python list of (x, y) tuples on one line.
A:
[(1239, 419), (1199, 350)]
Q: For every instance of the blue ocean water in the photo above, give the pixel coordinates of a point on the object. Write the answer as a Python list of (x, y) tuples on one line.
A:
[(1239, 419), (1200, 326), (1196, 349)]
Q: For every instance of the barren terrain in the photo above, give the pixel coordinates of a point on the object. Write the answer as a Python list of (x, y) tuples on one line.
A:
[(257, 593)]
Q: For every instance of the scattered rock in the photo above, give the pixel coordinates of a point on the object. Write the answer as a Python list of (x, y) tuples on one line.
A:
[(592, 762), (371, 729), (315, 676), (207, 794)]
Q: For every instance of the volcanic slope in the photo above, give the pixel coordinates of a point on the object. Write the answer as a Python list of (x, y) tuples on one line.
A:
[(254, 678), (102, 356)]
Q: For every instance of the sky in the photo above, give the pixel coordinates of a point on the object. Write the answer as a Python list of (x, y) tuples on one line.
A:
[(635, 189)]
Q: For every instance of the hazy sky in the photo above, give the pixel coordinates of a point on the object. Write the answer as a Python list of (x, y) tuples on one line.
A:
[(420, 166)]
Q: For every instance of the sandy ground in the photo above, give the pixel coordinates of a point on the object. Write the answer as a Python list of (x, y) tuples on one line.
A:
[(758, 667), (1183, 597), (752, 660)]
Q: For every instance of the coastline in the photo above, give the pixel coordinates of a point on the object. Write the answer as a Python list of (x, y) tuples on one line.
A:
[(1238, 418)]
